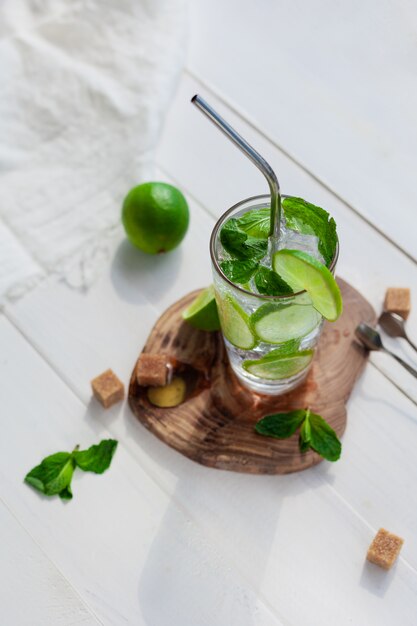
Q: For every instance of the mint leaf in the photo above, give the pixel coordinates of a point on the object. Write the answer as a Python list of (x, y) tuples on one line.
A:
[(254, 248), (232, 238), (315, 432), (310, 219), (280, 425), (301, 216), (270, 283), (239, 271), (97, 458), (240, 245), (323, 439), (53, 475), (256, 223)]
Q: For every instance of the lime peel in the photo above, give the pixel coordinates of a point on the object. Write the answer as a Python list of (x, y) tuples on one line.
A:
[(155, 216), (301, 271), (202, 312), (274, 367), (235, 323)]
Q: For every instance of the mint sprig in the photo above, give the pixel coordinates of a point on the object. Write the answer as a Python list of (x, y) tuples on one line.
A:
[(54, 474), (315, 432), (246, 240), (241, 245), (309, 219), (301, 216)]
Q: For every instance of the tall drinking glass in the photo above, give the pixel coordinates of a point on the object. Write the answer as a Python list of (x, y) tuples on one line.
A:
[(270, 340)]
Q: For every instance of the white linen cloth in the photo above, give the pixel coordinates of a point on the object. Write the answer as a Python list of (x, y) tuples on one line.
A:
[(84, 85)]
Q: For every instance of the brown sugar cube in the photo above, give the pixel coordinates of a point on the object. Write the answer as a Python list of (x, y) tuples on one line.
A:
[(152, 370), (107, 388), (397, 300), (384, 549)]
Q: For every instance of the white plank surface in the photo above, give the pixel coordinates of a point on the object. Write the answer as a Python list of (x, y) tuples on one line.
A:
[(132, 552), (18, 267), (269, 525), (159, 540), (138, 537), (49, 599), (333, 83)]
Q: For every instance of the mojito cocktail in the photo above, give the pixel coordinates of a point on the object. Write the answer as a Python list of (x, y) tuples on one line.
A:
[(272, 296)]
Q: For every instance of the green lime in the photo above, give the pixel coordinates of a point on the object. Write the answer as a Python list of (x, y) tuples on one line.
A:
[(235, 323), (302, 271), (278, 367), (202, 312), (155, 217), (276, 322)]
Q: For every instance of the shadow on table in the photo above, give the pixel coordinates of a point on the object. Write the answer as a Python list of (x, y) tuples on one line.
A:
[(99, 419), (134, 272), (376, 580), (191, 575)]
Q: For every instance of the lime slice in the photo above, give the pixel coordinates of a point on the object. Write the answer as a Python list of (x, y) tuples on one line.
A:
[(279, 367), (276, 323), (302, 271), (235, 323), (202, 312)]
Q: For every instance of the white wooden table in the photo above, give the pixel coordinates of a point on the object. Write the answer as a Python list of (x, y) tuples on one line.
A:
[(328, 93)]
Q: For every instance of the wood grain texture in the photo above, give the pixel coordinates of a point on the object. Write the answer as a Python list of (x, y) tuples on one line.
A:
[(215, 425)]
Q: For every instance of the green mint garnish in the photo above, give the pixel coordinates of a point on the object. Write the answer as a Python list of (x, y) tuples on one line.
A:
[(97, 458), (240, 245), (301, 216), (269, 283), (315, 432), (256, 222), (54, 474), (239, 272), (321, 437), (280, 425), (246, 240), (308, 219)]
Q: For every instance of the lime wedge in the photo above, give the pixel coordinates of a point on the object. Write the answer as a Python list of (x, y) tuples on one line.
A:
[(276, 323), (302, 271), (235, 323), (202, 312), (278, 367)]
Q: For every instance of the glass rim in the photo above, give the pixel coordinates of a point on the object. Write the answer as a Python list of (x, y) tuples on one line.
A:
[(223, 275)]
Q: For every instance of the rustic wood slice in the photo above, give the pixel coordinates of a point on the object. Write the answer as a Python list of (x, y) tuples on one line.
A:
[(215, 425)]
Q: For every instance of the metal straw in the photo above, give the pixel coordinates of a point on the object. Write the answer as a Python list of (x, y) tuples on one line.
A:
[(253, 155)]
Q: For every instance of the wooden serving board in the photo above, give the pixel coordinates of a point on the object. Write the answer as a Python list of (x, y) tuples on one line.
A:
[(215, 425)]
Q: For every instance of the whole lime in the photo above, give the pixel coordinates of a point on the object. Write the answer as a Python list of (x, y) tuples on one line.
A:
[(155, 217)]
